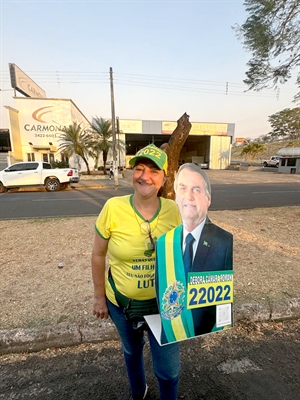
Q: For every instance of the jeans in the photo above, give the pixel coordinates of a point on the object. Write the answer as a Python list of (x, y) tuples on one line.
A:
[(165, 359)]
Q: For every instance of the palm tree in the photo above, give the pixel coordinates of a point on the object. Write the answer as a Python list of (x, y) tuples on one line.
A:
[(76, 140), (103, 136)]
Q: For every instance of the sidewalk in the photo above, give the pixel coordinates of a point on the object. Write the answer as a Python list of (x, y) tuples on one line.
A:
[(252, 175), (66, 334)]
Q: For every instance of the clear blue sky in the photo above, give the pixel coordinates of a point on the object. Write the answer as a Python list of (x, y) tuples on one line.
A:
[(168, 57)]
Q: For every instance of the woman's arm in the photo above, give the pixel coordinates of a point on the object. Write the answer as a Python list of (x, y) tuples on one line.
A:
[(98, 273)]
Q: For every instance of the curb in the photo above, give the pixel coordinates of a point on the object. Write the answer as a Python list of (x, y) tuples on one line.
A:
[(62, 335), (67, 334)]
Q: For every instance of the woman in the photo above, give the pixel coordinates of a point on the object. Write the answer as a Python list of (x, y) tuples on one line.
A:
[(127, 228)]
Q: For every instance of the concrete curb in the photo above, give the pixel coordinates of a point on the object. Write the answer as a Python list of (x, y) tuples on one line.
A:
[(284, 309), (67, 334), (62, 335)]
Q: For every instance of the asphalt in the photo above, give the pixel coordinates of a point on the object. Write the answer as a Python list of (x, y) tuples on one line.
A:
[(67, 334)]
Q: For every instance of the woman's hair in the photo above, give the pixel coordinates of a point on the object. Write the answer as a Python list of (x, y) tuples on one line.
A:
[(147, 162), (194, 168)]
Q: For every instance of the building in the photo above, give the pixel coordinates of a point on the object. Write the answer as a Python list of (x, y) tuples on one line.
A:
[(36, 123), (290, 161), (208, 144)]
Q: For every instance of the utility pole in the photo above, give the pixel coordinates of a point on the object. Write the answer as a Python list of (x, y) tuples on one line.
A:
[(118, 132), (113, 128)]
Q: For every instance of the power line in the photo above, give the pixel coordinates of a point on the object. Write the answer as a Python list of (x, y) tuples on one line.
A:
[(147, 81)]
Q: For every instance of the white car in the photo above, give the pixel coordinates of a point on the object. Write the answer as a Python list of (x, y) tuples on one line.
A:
[(272, 162), (35, 174)]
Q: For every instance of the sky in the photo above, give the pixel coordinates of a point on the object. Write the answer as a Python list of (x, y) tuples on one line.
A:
[(167, 57)]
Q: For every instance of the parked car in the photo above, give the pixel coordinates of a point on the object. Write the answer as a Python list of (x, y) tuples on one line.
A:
[(108, 165), (272, 162), (36, 174)]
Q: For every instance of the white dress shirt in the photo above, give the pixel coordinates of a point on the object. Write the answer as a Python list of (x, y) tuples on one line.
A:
[(196, 234)]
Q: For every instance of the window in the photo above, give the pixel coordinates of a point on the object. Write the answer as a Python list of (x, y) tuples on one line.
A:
[(291, 162), (17, 167), (30, 157), (51, 157), (31, 166), (65, 158), (45, 157), (46, 166), (283, 162)]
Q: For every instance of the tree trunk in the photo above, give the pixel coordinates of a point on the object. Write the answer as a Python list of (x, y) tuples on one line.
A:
[(173, 149), (87, 166), (104, 157)]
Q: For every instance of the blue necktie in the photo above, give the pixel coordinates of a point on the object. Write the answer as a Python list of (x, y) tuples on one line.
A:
[(188, 253)]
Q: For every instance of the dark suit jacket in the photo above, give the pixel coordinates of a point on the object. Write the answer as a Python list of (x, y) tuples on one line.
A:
[(214, 253)]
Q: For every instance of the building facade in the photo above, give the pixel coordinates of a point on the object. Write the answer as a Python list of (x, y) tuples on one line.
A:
[(36, 125), (290, 160)]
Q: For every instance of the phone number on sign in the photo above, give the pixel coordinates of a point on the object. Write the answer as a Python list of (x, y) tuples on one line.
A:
[(208, 289), (51, 135)]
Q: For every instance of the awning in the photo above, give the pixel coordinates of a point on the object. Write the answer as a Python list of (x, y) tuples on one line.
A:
[(44, 147)]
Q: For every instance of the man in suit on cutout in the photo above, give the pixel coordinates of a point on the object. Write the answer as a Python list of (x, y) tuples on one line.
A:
[(212, 249)]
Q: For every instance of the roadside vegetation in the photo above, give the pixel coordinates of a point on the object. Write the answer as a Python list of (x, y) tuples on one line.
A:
[(271, 35), (84, 142), (269, 149)]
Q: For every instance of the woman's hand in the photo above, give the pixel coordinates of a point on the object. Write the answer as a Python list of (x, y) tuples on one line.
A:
[(98, 273), (100, 307)]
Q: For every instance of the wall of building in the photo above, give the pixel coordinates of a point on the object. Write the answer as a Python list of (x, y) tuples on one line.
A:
[(220, 149), (290, 161), (208, 143), (36, 125), (289, 165)]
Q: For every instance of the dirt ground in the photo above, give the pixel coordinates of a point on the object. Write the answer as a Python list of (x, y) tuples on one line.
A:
[(252, 361), (46, 274)]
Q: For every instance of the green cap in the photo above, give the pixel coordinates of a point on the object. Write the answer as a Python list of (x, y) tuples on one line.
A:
[(153, 153)]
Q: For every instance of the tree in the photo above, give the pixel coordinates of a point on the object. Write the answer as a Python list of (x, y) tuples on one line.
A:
[(76, 140), (173, 149), (272, 34), (103, 140), (252, 150), (286, 124)]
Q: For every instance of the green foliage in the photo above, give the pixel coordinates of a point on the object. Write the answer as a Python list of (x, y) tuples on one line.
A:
[(76, 140), (103, 140), (294, 143), (286, 124), (252, 150), (60, 164), (272, 34)]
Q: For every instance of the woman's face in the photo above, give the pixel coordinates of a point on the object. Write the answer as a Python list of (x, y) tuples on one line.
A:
[(147, 179)]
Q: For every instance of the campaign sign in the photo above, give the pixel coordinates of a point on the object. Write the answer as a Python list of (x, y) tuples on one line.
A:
[(209, 288), (204, 306)]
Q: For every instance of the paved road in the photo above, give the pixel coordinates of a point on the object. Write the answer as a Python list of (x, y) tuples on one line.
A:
[(256, 361), (87, 201)]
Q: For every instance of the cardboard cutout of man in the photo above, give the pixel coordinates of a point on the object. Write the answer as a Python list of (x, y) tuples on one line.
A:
[(210, 250)]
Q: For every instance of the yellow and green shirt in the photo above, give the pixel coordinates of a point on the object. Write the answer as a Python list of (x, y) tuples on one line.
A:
[(132, 263)]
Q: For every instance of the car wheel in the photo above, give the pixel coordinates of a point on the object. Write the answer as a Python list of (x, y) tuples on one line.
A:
[(52, 185), (265, 164), (2, 188)]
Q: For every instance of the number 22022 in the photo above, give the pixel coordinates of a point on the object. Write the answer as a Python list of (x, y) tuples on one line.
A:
[(208, 296)]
